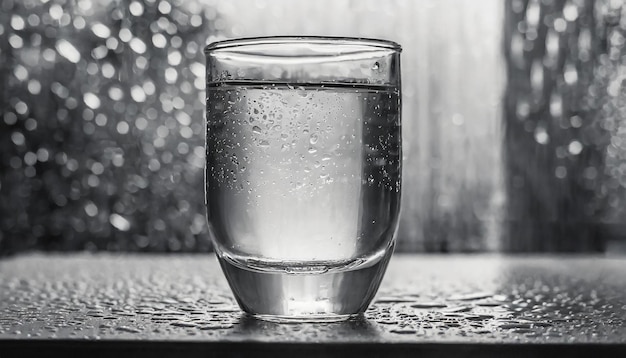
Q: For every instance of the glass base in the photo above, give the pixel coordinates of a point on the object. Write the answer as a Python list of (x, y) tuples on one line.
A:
[(306, 319), (332, 296)]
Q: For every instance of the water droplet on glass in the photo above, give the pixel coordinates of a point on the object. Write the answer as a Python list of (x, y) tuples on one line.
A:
[(302, 91)]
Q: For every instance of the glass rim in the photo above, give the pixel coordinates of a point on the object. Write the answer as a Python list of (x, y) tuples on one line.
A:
[(322, 40)]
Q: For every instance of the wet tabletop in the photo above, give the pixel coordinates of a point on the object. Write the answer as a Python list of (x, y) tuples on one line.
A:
[(473, 305)]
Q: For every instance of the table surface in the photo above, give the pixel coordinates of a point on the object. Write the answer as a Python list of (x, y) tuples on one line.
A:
[(458, 305)]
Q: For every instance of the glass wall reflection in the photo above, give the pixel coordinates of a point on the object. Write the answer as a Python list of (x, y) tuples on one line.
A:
[(512, 119)]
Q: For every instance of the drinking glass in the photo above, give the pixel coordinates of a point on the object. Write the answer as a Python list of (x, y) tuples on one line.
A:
[(303, 171)]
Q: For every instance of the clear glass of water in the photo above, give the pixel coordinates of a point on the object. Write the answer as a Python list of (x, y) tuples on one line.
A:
[(303, 171)]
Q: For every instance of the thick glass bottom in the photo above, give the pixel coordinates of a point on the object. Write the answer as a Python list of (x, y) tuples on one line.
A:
[(283, 296)]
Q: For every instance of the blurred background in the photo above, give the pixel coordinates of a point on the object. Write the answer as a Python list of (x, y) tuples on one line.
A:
[(514, 119)]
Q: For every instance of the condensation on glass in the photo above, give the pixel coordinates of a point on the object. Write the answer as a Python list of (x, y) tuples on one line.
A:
[(303, 171), (564, 126)]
